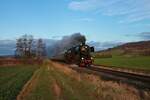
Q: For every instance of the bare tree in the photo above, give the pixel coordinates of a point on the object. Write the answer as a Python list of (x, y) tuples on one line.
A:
[(40, 48), (19, 48), (24, 46), (27, 47)]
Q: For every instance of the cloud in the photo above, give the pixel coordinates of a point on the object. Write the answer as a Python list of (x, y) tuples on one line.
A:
[(56, 37), (86, 19), (129, 10), (7, 47), (104, 45), (85, 5), (144, 35)]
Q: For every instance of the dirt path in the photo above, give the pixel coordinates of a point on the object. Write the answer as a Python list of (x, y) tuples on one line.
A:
[(57, 90), (41, 86)]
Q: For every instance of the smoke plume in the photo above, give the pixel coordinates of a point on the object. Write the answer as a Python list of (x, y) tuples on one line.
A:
[(66, 42)]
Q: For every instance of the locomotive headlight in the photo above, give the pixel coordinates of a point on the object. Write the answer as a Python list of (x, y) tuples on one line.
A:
[(82, 58)]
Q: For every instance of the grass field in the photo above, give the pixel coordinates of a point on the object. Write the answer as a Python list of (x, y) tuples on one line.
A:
[(54, 81), (142, 63), (12, 79)]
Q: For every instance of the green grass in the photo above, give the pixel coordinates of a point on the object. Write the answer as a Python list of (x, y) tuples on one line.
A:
[(72, 86), (71, 89), (142, 63), (12, 79), (41, 89)]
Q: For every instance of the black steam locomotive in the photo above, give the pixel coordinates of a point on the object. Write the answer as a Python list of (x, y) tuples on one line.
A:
[(80, 55)]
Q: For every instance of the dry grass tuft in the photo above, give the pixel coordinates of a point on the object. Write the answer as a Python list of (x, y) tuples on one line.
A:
[(68, 71), (104, 90), (61, 67), (112, 90)]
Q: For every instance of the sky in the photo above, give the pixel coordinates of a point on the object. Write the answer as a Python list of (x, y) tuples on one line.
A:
[(98, 20)]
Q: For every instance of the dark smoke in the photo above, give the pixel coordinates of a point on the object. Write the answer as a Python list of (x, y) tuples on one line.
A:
[(65, 43)]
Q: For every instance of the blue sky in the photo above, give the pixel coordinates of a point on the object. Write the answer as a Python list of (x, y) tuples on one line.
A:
[(99, 20)]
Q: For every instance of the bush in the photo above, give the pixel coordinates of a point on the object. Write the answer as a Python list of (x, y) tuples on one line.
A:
[(103, 55)]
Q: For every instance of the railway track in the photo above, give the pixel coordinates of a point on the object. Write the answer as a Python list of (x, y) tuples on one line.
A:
[(136, 80), (140, 81)]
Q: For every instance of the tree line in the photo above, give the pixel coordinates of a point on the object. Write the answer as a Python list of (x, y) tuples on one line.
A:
[(28, 47)]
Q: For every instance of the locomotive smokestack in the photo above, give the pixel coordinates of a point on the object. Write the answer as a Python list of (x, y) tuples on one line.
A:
[(67, 42)]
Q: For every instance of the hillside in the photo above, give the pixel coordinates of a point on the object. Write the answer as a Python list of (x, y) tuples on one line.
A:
[(141, 48), (134, 55)]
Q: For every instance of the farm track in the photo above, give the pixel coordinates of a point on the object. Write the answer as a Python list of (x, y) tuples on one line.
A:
[(136, 80)]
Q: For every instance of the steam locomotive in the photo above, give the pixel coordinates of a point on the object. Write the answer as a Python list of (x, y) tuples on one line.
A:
[(80, 55)]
